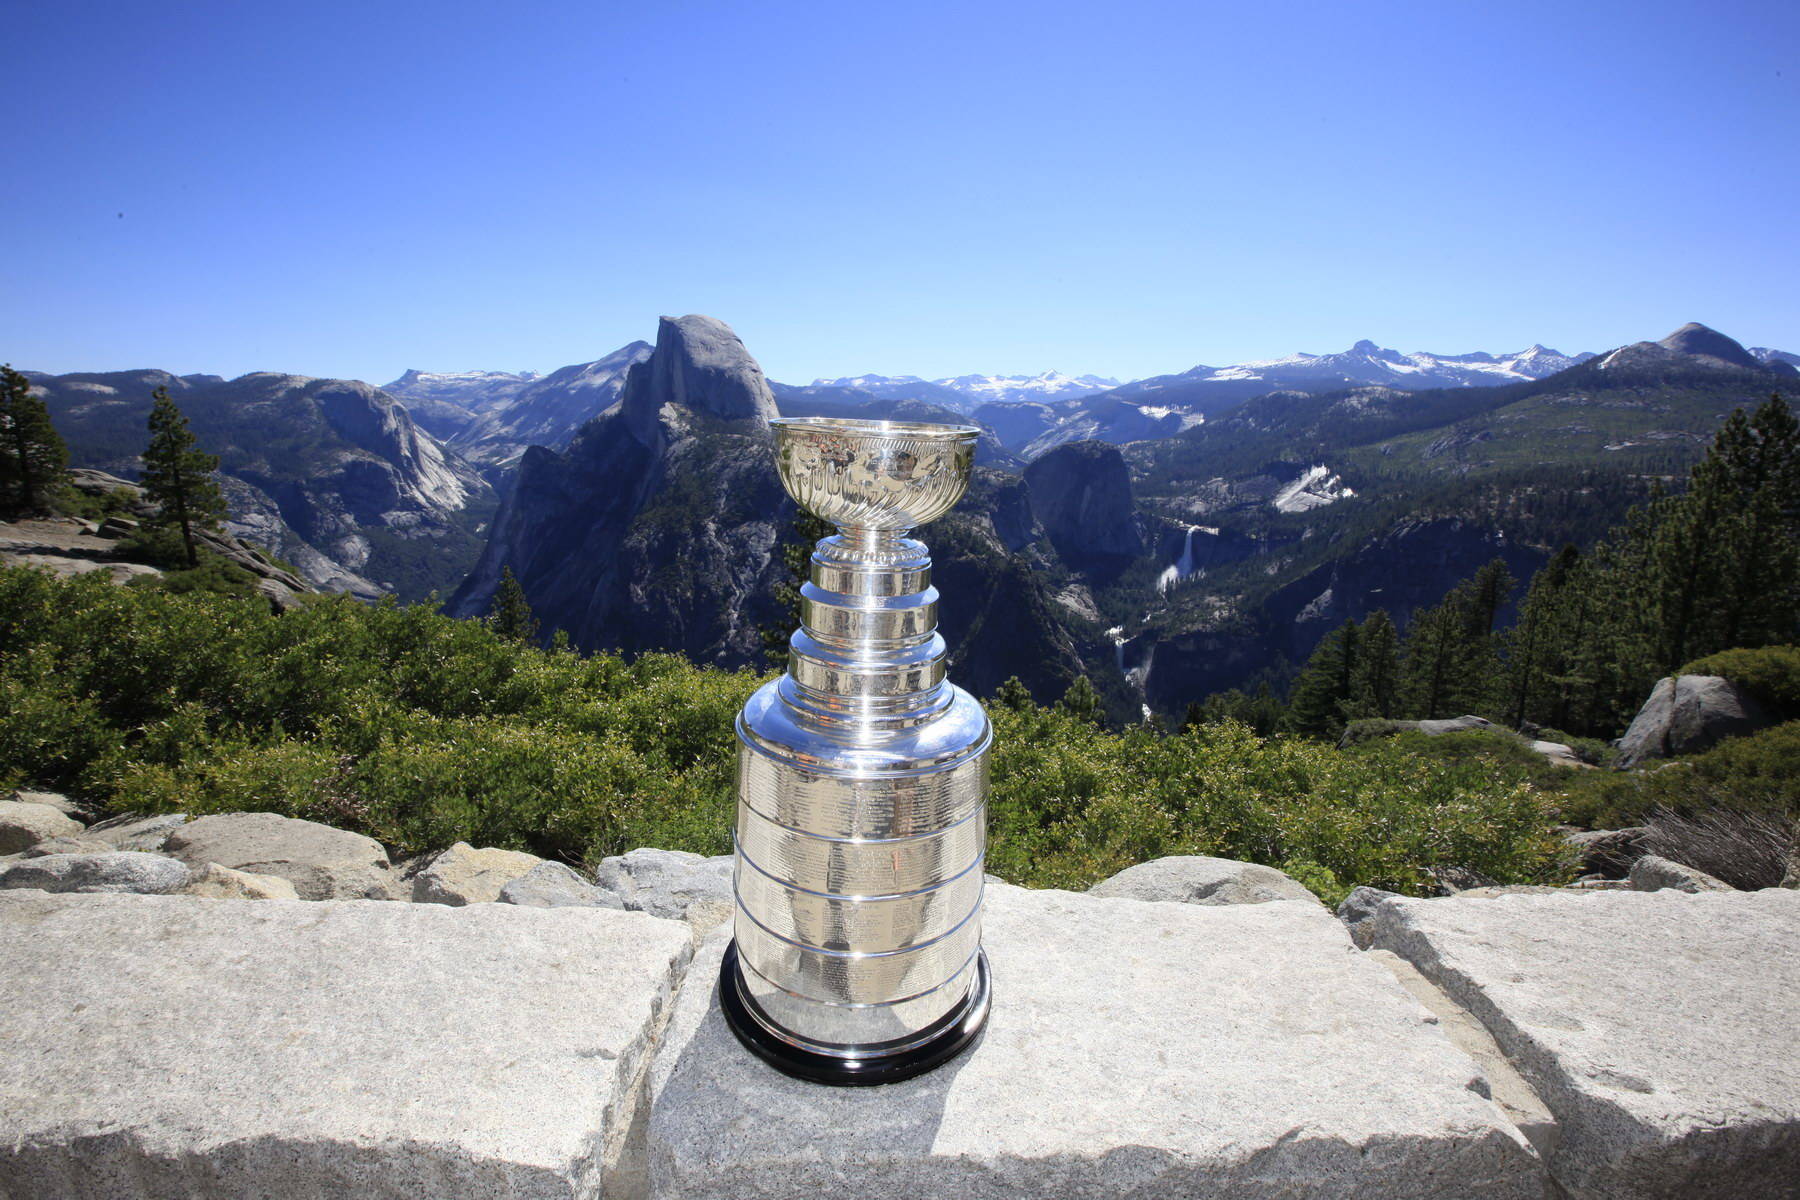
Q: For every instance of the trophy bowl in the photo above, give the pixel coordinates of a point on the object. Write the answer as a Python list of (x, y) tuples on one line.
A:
[(874, 475)]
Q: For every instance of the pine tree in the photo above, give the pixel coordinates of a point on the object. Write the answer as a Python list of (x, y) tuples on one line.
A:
[(1323, 687), (179, 477), (509, 615), (1375, 679), (1451, 660), (33, 458), (1013, 694), (1082, 701), (1534, 655)]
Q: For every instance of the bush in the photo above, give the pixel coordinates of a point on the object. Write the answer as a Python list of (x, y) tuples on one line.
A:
[(421, 730), (1757, 774), (1771, 674)]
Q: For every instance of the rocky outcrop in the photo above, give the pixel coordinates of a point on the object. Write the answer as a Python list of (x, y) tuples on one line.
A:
[(383, 1051), (23, 826), (1081, 495), (135, 831), (553, 885), (670, 883), (119, 871), (1654, 1026), (1198, 879), (1295, 1066), (464, 875), (1608, 852), (321, 862), (1653, 873), (1687, 714), (330, 474), (222, 883), (656, 528)]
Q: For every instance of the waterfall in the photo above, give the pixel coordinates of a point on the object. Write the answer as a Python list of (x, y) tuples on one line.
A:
[(1183, 566)]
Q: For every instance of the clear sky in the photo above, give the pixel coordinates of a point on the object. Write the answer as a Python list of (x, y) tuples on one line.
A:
[(1125, 188)]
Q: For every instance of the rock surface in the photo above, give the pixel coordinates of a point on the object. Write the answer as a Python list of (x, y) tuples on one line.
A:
[(553, 885), (123, 871), (168, 1046), (670, 883), (1198, 879), (1081, 495), (1134, 1050), (1686, 714), (1657, 1027), (23, 826), (1356, 909), (135, 831), (66, 805), (464, 875), (222, 883), (1653, 873), (321, 862)]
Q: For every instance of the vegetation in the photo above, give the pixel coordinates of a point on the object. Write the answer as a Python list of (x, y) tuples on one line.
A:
[(178, 477), (1711, 569), (422, 730), (1771, 674), (32, 454), (509, 615)]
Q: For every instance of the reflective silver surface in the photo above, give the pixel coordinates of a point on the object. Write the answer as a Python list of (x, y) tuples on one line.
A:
[(862, 773)]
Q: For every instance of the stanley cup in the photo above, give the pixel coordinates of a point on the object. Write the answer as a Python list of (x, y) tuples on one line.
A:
[(862, 782)]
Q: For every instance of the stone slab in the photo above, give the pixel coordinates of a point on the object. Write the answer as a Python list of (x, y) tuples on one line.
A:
[(1659, 1027), (170, 1046), (1135, 1049)]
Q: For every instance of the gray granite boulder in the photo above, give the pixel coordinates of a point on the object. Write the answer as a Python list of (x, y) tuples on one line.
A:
[(670, 883), (321, 862), (1134, 1049), (222, 883), (120, 871), (74, 844), (1653, 873), (165, 1046), (464, 875), (135, 831), (1658, 1027), (1356, 909), (66, 805), (1198, 879), (553, 885), (1686, 714), (23, 826)]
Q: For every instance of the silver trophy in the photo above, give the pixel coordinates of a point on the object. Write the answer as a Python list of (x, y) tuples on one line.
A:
[(862, 782)]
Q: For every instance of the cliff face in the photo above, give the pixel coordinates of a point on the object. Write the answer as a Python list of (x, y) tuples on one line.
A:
[(331, 474), (656, 528), (1081, 495)]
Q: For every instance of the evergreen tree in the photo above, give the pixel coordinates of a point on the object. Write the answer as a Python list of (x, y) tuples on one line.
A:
[(1013, 694), (509, 615), (178, 477), (1451, 660), (1082, 701), (1375, 678), (1535, 653), (1322, 689), (32, 455)]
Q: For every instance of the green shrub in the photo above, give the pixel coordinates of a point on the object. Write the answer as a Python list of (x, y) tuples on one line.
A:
[(1758, 773), (421, 730), (1771, 674)]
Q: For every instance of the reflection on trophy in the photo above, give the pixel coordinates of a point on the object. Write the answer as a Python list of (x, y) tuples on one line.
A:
[(862, 782)]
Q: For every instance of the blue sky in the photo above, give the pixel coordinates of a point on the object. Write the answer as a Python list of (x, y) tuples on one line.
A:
[(1125, 188)]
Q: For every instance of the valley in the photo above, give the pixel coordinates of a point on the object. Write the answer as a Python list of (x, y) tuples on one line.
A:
[(1165, 538)]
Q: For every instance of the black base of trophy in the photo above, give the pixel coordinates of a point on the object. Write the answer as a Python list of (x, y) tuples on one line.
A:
[(947, 1037)]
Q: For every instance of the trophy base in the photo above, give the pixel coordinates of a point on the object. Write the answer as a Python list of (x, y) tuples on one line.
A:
[(947, 1037)]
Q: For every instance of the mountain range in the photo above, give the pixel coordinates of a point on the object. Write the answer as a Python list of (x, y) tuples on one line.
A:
[(1165, 537)]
